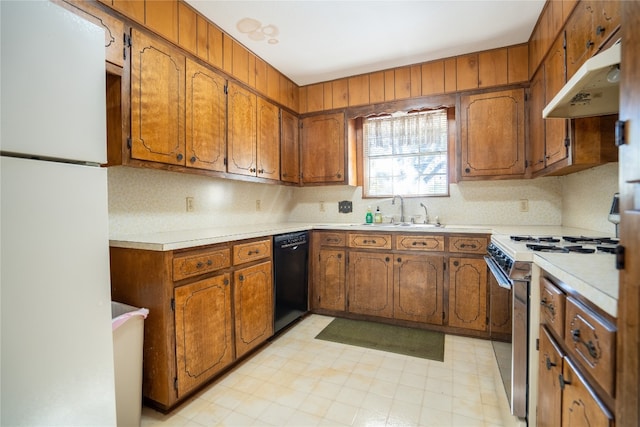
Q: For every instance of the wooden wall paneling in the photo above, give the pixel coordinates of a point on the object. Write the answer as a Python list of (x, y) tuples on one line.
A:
[(359, 90), (327, 96), (261, 76), (493, 68), (202, 38), (467, 71), (187, 28), (535, 57), (556, 19), (402, 83), (215, 46), (295, 96), (518, 63), (389, 85), (133, 9), (340, 91), (273, 82), (450, 75), (251, 70), (433, 78), (240, 61), (376, 87), (303, 106), (227, 53), (315, 97), (163, 18), (416, 81)]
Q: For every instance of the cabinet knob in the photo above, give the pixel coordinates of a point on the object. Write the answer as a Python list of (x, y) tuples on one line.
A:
[(600, 30), (339, 176), (467, 170), (193, 159), (226, 282), (339, 256), (199, 265), (180, 156), (209, 262), (252, 169), (456, 263), (589, 44), (399, 259), (549, 364), (387, 259)]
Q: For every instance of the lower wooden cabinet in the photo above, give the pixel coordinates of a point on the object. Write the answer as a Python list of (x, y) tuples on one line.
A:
[(253, 306), (370, 284), (468, 293), (330, 280), (418, 291), (549, 411), (204, 344)]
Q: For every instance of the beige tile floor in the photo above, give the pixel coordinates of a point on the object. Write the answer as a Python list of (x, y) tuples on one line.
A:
[(297, 380)]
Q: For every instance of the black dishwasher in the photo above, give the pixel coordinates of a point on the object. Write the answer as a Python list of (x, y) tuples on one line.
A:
[(291, 258)]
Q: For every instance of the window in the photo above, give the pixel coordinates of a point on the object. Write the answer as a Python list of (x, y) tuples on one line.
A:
[(406, 154)]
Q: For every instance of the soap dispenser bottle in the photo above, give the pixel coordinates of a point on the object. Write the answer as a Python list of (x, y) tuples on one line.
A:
[(369, 216), (377, 218)]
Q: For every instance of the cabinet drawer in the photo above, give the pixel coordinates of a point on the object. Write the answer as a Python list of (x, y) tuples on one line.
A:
[(364, 240), (416, 242), (331, 238), (592, 342), (552, 307), (247, 252), (196, 263), (469, 245)]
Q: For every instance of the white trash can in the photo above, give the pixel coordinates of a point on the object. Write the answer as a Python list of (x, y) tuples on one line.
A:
[(127, 323)]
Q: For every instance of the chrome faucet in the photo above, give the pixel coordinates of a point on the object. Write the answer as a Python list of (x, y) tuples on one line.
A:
[(393, 202), (426, 215)]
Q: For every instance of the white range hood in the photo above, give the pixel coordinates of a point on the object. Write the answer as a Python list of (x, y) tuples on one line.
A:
[(594, 89)]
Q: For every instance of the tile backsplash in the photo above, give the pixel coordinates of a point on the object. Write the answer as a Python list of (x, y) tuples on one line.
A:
[(147, 200)]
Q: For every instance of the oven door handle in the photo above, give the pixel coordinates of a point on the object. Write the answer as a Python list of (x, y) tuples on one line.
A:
[(501, 278)]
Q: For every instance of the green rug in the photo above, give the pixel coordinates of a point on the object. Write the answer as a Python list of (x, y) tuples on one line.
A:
[(380, 336)]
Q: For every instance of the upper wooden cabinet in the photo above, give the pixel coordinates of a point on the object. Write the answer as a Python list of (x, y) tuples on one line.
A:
[(268, 140), (206, 118), (241, 139), (157, 101), (289, 148), (133, 9), (492, 134), (322, 148), (591, 24)]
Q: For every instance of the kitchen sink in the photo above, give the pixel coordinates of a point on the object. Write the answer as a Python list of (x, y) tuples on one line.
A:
[(399, 225)]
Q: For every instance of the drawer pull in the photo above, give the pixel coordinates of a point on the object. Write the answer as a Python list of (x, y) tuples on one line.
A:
[(331, 239), (373, 242), (591, 348), (563, 382), (209, 262), (241, 278), (256, 252), (549, 306), (550, 364), (226, 282), (199, 264), (472, 246), (415, 243)]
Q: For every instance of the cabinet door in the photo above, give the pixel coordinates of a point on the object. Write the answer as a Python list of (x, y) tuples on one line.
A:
[(418, 288), (550, 361), (323, 148), (206, 118), (204, 343), (555, 129), (536, 122), (268, 140), (331, 280), (157, 101), (371, 283), (580, 404), (241, 141), (253, 306), (500, 309), (580, 37), (492, 134), (289, 148), (468, 293)]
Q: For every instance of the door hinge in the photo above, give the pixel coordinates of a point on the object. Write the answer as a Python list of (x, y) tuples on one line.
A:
[(620, 257), (526, 96), (526, 164), (444, 264), (567, 142), (129, 143), (619, 138), (538, 344), (226, 89), (126, 38), (175, 383), (173, 304), (224, 161), (443, 316)]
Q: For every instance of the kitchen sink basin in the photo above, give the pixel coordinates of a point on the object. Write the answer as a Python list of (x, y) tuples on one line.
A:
[(399, 225)]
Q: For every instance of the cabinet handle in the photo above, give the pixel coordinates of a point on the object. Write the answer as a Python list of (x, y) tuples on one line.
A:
[(260, 170), (600, 30), (199, 264), (549, 306), (256, 252), (472, 246), (193, 159), (180, 157), (331, 239), (209, 262), (369, 241), (226, 282), (589, 44), (241, 278), (419, 243), (563, 382), (549, 364), (591, 348)]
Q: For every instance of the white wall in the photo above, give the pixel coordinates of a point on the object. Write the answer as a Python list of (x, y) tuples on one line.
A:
[(146, 200)]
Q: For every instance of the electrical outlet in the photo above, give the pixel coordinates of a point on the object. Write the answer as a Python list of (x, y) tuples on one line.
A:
[(258, 205), (189, 204), (524, 205), (322, 209)]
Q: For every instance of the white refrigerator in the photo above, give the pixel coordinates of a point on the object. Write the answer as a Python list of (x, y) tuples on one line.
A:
[(56, 351)]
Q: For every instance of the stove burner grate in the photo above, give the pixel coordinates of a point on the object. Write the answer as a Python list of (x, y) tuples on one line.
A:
[(563, 249), (607, 249), (590, 240), (544, 239)]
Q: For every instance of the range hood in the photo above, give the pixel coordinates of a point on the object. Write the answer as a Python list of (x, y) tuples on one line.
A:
[(594, 89)]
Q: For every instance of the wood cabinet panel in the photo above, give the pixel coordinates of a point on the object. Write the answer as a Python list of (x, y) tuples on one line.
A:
[(331, 278), (322, 147), (518, 63), (202, 38), (340, 93), (241, 131), (273, 83), (359, 90), (468, 293), (240, 62), (493, 68), (163, 18), (580, 404), (133, 9), (550, 363), (289, 148), (552, 307), (555, 78), (187, 28), (315, 97), (467, 72), (389, 85), (416, 81), (327, 96), (402, 83), (368, 240), (376, 87), (206, 118), (468, 244), (261, 76), (157, 101), (204, 322), (419, 288), (416, 242), (215, 46), (370, 284), (536, 122), (253, 306), (330, 238), (580, 37), (251, 251), (268, 140), (492, 134), (200, 262), (450, 75), (227, 54), (433, 78)]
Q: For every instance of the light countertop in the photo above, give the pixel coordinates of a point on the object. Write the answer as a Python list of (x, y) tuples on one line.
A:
[(592, 275)]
